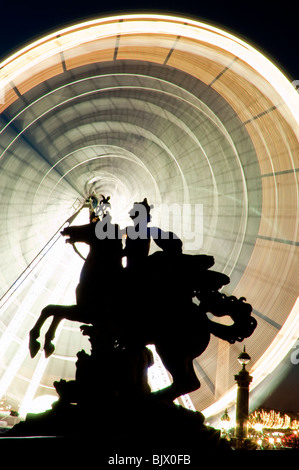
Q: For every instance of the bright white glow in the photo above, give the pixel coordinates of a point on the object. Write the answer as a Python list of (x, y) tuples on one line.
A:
[(226, 425), (157, 374), (158, 377), (187, 402), (41, 403), (258, 427)]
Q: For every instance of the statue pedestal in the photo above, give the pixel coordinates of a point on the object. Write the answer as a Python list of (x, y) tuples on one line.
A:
[(143, 425)]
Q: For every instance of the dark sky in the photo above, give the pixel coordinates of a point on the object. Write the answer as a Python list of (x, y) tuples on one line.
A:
[(270, 26)]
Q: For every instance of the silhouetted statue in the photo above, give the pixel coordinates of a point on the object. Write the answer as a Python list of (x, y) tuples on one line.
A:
[(150, 301), (144, 303)]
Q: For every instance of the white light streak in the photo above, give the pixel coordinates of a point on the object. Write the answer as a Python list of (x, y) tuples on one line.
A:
[(13, 368), (46, 271), (47, 267), (62, 287)]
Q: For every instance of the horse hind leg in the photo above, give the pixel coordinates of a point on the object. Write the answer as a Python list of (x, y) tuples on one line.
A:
[(34, 345), (49, 347), (184, 377), (34, 333), (69, 312), (60, 312)]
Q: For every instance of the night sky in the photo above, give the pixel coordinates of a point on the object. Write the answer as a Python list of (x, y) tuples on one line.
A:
[(269, 26)]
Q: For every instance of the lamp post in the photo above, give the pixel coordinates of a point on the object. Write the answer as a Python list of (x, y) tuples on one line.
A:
[(243, 380)]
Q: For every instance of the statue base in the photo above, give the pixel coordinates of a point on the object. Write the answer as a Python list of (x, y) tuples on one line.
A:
[(144, 426)]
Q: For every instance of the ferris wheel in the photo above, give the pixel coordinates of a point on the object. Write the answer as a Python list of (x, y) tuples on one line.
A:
[(154, 106)]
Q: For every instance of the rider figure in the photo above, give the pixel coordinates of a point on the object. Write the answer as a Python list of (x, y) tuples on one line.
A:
[(138, 236)]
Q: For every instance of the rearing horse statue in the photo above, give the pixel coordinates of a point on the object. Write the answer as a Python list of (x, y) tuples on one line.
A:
[(145, 302), (104, 258)]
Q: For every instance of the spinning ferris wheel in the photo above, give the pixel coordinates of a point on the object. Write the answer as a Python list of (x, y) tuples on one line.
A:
[(149, 106)]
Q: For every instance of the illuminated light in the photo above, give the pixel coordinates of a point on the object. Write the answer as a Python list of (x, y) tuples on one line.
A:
[(14, 366), (269, 420), (226, 421), (258, 427), (41, 403)]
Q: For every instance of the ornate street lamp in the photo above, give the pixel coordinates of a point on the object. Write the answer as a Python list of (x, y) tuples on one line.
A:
[(243, 380)]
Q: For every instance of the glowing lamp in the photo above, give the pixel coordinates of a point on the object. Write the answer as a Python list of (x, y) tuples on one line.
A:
[(244, 358), (225, 421), (258, 425)]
